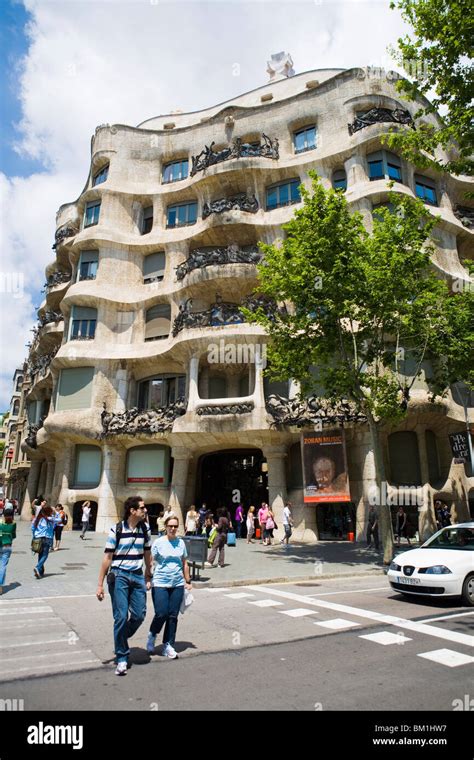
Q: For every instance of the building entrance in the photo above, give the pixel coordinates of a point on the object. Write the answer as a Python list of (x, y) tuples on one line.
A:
[(335, 520), (229, 478)]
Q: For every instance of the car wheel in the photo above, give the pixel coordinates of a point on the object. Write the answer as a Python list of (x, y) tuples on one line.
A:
[(468, 590)]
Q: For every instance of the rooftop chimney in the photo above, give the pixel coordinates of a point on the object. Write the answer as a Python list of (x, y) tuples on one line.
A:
[(280, 66)]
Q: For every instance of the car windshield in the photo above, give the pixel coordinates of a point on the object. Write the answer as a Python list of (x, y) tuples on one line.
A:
[(452, 538)]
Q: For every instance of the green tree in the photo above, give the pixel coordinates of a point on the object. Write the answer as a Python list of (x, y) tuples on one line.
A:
[(437, 61), (360, 302)]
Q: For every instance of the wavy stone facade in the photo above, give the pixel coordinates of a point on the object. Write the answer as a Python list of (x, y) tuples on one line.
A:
[(119, 348)]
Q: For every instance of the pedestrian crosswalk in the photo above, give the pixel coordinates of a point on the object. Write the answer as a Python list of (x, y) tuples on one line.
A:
[(446, 657), (35, 641)]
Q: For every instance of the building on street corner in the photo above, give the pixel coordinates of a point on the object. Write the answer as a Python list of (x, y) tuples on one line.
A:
[(144, 376)]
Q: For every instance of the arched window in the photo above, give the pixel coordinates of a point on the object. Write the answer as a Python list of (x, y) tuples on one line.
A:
[(158, 322), (339, 179)]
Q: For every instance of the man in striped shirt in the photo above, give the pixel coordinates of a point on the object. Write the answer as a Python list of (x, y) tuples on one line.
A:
[(124, 559)]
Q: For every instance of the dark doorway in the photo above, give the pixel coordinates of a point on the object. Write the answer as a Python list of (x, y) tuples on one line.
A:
[(153, 512), (228, 478), (335, 520), (77, 515)]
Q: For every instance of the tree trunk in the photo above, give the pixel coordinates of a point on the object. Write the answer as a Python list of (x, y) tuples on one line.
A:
[(385, 518)]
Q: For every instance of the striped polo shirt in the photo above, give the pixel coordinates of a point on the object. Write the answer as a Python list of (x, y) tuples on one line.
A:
[(128, 555)]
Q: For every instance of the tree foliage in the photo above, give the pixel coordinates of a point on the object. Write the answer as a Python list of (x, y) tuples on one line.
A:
[(437, 59)]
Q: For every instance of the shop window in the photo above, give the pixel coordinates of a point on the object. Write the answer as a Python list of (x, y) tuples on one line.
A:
[(88, 466), (404, 458), (158, 322), (148, 464), (154, 267), (74, 388)]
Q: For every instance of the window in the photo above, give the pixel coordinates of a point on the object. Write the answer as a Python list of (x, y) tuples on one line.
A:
[(161, 391), (88, 466), (101, 176), (154, 267), (432, 456), (88, 263), (74, 388), (283, 194), (19, 381), (339, 179), (175, 171), (92, 212), (384, 165), (16, 408), (425, 188), (276, 387), (304, 139), (83, 323), (217, 386), (182, 214), (404, 458), (147, 223), (377, 206), (158, 322), (148, 464)]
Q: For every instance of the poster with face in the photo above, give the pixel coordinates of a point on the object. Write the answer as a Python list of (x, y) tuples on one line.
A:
[(325, 476)]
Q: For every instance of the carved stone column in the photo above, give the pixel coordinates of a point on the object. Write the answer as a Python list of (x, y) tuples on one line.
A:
[(113, 473), (31, 488), (355, 171), (258, 394), (277, 492), (64, 465), (50, 466), (42, 479), (426, 515), (193, 394), (181, 456)]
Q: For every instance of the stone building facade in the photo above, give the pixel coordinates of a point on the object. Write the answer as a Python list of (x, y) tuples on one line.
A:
[(144, 376)]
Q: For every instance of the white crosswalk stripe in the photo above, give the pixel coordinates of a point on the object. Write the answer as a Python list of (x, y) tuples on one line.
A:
[(34, 640), (447, 657)]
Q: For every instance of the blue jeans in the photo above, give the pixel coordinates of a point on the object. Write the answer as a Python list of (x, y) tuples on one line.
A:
[(5, 554), (166, 602), (43, 555), (129, 595), (238, 530)]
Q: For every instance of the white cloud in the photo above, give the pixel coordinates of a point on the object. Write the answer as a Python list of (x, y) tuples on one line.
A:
[(115, 61)]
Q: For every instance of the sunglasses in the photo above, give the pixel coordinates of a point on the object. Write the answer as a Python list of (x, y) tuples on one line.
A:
[(173, 527)]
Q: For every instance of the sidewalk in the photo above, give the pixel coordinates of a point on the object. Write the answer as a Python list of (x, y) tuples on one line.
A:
[(73, 570)]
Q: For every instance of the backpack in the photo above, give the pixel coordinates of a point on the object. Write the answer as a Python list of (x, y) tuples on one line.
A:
[(118, 533), (65, 518)]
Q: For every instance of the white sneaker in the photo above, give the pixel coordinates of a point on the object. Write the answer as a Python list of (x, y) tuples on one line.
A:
[(168, 651), (150, 643), (121, 669)]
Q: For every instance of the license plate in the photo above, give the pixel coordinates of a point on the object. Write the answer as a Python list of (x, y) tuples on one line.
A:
[(408, 581)]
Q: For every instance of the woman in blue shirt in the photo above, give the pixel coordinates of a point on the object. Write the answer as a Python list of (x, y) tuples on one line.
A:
[(170, 578), (43, 527)]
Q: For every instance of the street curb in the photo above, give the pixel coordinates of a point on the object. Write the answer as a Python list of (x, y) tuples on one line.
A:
[(285, 579)]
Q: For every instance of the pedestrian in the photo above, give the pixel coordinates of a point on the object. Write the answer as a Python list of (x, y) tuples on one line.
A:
[(37, 505), (168, 513), (401, 526), (160, 523), (250, 523), (128, 545), (262, 519), (170, 578), (86, 513), (220, 540), (269, 528), (287, 522), (239, 520), (372, 527), (209, 530), (191, 523), (7, 536), (444, 513), (58, 529), (43, 527), (202, 516)]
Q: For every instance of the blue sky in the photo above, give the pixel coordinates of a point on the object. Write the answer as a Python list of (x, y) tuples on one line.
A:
[(86, 62)]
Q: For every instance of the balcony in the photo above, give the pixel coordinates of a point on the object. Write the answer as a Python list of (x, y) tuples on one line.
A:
[(221, 313), (206, 257), (209, 157)]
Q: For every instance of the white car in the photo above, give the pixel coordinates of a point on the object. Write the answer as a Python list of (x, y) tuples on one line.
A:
[(443, 566)]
